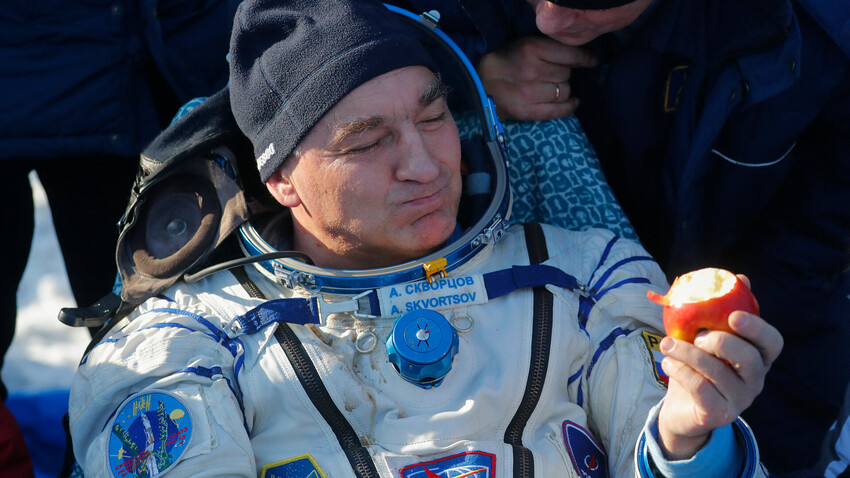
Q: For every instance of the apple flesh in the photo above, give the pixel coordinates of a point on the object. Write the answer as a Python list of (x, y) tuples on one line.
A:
[(702, 300)]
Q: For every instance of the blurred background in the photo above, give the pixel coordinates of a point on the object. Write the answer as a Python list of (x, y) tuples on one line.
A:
[(40, 364)]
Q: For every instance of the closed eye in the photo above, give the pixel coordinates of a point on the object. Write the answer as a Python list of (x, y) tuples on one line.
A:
[(362, 149), (434, 121)]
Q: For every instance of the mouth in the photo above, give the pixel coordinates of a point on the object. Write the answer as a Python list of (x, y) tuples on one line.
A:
[(418, 201), (583, 31), (425, 200)]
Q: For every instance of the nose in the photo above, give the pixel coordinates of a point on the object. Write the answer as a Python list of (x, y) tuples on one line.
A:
[(416, 163), (551, 18)]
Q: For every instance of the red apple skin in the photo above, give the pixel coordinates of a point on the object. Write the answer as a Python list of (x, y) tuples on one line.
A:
[(685, 321)]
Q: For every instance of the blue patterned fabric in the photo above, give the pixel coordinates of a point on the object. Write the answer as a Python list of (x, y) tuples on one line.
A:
[(556, 177)]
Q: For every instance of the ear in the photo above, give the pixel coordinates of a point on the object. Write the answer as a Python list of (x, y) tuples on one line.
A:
[(282, 189)]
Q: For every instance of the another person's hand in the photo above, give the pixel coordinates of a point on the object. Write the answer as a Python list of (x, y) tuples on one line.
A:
[(713, 380), (529, 78)]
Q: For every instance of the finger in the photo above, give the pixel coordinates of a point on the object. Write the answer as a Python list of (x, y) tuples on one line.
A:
[(562, 92), (543, 92), (508, 93), (742, 372), (523, 62), (765, 337), (701, 391), (732, 364), (528, 70), (543, 72), (516, 106), (722, 375), (744, 279), (560, 54), (712, 387)]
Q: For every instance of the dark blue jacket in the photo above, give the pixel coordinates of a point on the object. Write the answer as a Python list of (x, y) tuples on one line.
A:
[(77, 75), (724, 129)]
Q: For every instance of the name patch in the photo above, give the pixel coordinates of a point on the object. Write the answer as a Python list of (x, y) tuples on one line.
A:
[(472, 464), (444, 293), (150, 432)]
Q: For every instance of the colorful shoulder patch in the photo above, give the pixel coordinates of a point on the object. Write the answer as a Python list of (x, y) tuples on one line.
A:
[(471, 464), (589, 459), (149, 434), (302, 466), (652, 340)]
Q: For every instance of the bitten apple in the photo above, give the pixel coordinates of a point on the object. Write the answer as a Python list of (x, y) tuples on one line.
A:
[(701, 300)]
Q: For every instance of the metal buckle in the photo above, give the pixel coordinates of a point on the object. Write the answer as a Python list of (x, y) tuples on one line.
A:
[(493, 234), (345, 306), (233, 328), (295, 279)]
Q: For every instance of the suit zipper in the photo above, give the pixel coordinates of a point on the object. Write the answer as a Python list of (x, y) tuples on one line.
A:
[(541, 339), (357, 454)]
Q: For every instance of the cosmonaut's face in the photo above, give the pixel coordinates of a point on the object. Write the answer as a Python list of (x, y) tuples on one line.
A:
[(377, 181), (578, 27)]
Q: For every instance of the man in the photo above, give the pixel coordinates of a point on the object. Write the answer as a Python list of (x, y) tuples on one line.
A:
[(422, 338), (722, 128)]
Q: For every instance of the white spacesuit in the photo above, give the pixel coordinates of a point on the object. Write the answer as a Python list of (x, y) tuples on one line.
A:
[(513, 351), (248, 400)]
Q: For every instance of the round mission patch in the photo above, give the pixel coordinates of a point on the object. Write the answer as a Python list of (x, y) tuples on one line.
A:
[(149, 434)]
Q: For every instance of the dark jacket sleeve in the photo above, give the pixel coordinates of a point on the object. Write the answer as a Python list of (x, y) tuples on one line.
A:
[(80, 77)]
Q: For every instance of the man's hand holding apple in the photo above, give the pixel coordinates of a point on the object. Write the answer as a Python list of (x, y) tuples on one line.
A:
[(717, 376)]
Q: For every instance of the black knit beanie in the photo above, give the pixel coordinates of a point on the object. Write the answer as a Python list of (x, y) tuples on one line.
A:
[(292, 60)]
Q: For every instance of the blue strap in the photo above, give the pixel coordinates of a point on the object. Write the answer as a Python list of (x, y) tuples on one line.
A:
[(306, 310), (374, 303), (505, 281), (293, 311), (204, 371)]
